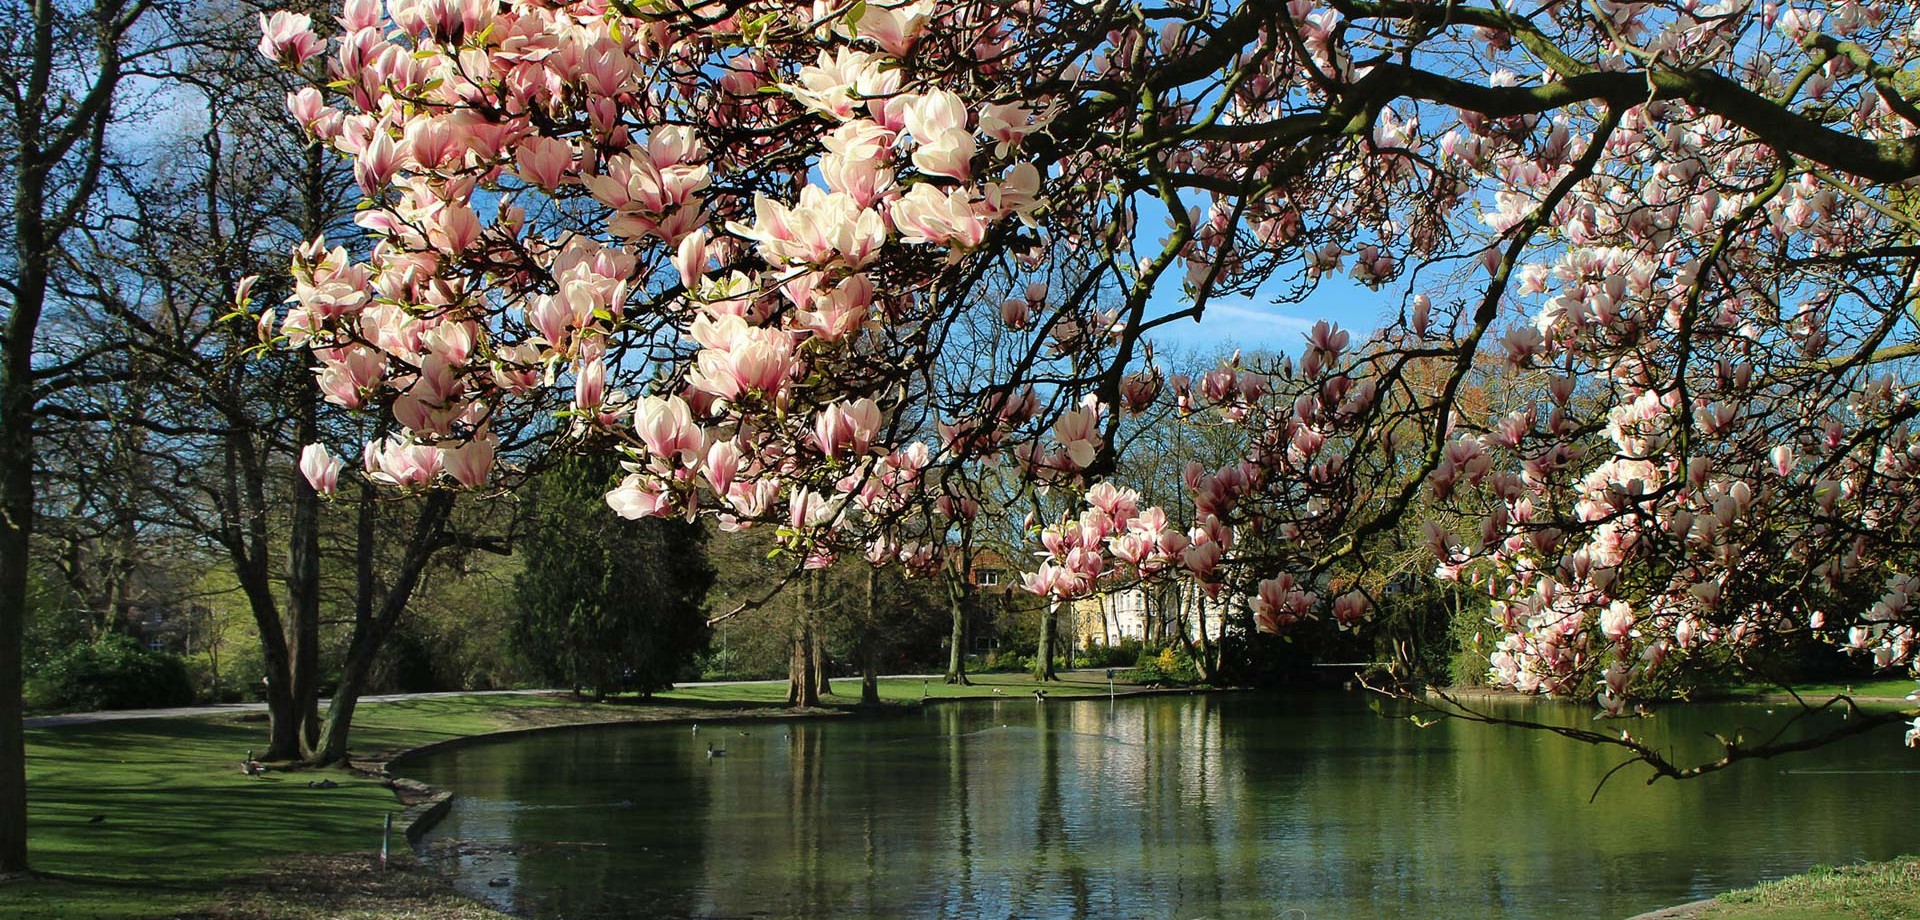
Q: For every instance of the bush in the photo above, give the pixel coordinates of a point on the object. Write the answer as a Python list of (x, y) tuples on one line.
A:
[(115, 672), (1124, 654), (1171, 666)]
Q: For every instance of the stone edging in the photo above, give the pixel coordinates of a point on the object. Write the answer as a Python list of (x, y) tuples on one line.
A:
[(1685, 911)]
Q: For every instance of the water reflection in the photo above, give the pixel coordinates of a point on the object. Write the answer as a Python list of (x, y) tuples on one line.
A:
[(1186, 806)]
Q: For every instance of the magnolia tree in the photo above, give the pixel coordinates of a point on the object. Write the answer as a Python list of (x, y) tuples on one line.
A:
[(741, 233)]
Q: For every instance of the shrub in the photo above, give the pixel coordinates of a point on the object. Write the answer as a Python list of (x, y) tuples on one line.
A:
[(1171, 666), (114, 672), (1124, 654)]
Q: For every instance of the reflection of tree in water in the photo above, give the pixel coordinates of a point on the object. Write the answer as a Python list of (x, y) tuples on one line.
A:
[(807, 823), (597, 821), (958, 895), (1052, 843), (1181, 807)]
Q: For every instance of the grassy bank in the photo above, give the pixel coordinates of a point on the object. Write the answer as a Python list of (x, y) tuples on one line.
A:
[(154, 818), (1875, 891)]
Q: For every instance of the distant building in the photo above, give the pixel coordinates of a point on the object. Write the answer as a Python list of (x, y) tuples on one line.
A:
[(1129, 613)]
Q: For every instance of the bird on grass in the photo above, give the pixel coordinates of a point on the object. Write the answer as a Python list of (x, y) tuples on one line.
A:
[(252, 767), (713, 752), (97, 819)]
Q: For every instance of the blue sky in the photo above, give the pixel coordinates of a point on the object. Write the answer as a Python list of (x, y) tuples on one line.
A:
[(1256, 323)]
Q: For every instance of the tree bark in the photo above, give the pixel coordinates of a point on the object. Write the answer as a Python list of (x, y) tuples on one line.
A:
[(1043, 656), (821, 679), (801, 689), (16, 527), (957, 606), (371, 627), (303, 582), (870, 643)]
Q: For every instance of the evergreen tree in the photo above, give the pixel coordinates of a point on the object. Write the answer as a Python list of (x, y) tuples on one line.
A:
[(606, 604)]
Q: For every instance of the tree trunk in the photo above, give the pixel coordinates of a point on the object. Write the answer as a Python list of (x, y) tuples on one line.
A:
[(870, 643), (1043, 656), (371, 628), (801, 689), (16, 525), (303, 582), (820, 591), (957, 605)]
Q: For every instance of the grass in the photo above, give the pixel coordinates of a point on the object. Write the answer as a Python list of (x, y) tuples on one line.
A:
[(904, 690), (153, 817), (1875, 891), (1890, 689)]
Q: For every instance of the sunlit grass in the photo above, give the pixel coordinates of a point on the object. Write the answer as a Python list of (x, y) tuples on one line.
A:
[(149, 817), (1876, 891)]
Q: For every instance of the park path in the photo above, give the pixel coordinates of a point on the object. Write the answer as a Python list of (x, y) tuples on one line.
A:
[(121, 715)]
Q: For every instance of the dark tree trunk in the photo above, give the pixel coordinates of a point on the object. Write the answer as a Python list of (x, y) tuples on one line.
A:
[(820, 671), (870, 643), (303, 582), (801, 674), (16, 526), (1043, 656), (957, 605), (371, 627)]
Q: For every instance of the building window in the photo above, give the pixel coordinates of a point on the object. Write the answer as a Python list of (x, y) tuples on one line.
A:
[(989, 578)]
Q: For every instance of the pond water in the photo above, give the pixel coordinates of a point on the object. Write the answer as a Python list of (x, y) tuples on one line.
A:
[(1227, 805)]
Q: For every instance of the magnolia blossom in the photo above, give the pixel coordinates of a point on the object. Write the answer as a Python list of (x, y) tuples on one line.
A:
[(320, 467)]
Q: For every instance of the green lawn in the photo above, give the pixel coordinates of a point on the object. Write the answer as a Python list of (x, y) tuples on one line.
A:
[(1892, 688), (1878, 891), (909, 691), (177, 819)]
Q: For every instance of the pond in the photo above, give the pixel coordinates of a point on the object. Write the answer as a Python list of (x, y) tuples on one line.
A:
[(1186, 806)]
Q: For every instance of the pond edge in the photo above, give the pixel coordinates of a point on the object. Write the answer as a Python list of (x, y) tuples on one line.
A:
[(426, 805)]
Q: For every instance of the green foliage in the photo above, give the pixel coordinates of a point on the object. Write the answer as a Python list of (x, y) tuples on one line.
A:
[(114, 672), (1472, 645), (608, 605), (1124, 654), (1172, 666)]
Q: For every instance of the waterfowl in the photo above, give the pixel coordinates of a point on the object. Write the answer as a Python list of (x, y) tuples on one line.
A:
[(713, 752), (252, 767), (1040, 695)]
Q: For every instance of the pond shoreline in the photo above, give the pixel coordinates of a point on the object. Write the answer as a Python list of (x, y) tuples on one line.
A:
[(425, 805)]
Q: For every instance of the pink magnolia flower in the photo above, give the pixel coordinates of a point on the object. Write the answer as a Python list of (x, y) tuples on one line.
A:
[(321, 468), (895, 27), (590, 384), (927, 215), (638, 497), (723, 464), (472, 462), (821, 229), (667, 429), (543, 162), (289, 38), (1617, 621), (1077, 430), (401, 462), (1015, 313), (856, 161)]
